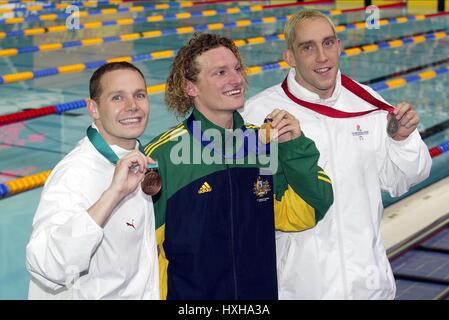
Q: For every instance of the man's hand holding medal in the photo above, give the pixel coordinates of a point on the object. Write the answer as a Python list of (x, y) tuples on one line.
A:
[(402, 121), (279, 126), (135, 168)]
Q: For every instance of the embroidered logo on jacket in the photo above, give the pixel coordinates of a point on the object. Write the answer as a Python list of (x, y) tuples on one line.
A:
[(131, 224), (205, 188), (261, 187), (359, 132)]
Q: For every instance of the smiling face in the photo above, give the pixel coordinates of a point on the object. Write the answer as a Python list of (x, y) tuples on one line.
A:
[(315, 55), (220, 84), (121, 112)]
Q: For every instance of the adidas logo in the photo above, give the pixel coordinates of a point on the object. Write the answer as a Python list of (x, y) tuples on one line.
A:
[(205, 188)]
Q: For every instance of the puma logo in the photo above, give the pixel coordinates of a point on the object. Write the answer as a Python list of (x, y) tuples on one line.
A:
[(131, 224)]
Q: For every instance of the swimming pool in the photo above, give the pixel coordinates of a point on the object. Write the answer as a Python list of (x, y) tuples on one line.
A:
[(36, 145)]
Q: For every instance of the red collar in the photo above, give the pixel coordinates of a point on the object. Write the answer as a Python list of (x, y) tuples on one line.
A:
[(352, 86)]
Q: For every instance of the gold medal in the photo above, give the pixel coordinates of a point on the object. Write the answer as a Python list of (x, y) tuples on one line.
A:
[(265, 131)]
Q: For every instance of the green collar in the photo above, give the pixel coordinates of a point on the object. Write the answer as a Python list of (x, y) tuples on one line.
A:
[(207, 124), (197, 124)]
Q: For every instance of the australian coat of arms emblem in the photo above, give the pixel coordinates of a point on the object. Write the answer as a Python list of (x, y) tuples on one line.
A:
[(261, 187)]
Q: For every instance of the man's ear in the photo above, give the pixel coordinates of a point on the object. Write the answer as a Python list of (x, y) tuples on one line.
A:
[(191, 89), (340, 49), (289, 57), (92, 109)]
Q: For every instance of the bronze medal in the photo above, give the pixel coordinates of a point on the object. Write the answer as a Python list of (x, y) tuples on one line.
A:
[(392, 125), (152, 183)]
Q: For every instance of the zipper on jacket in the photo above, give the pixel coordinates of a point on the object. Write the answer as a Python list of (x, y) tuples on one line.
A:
[(338, 223), (234, 272)]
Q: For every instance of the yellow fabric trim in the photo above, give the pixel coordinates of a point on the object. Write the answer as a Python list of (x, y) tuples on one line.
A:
[(163, 262), (322, 174), (149, 150), (181, 125), (325, 179), (292, 213), (163, 136)]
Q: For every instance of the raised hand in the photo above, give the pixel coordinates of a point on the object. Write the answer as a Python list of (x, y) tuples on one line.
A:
[(285, 126), (408, 120), (129, 172)]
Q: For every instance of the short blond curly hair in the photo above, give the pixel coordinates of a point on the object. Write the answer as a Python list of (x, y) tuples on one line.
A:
[(185, 68)]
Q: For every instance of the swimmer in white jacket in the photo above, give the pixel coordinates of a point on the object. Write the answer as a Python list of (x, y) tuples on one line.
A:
[(94, 230), (343, 257)]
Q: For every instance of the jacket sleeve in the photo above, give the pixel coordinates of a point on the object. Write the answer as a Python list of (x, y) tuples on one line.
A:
[(405, 164), (64, 235), (303, 191)]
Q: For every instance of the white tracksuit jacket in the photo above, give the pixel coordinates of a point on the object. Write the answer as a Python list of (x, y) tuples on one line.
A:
[(118, 261), (343, 257)]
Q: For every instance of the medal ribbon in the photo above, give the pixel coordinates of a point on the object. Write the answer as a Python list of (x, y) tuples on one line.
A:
[(352, 86), (105, 150)]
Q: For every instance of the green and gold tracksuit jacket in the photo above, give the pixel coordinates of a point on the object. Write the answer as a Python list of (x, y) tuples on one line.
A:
[(216, 221)]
